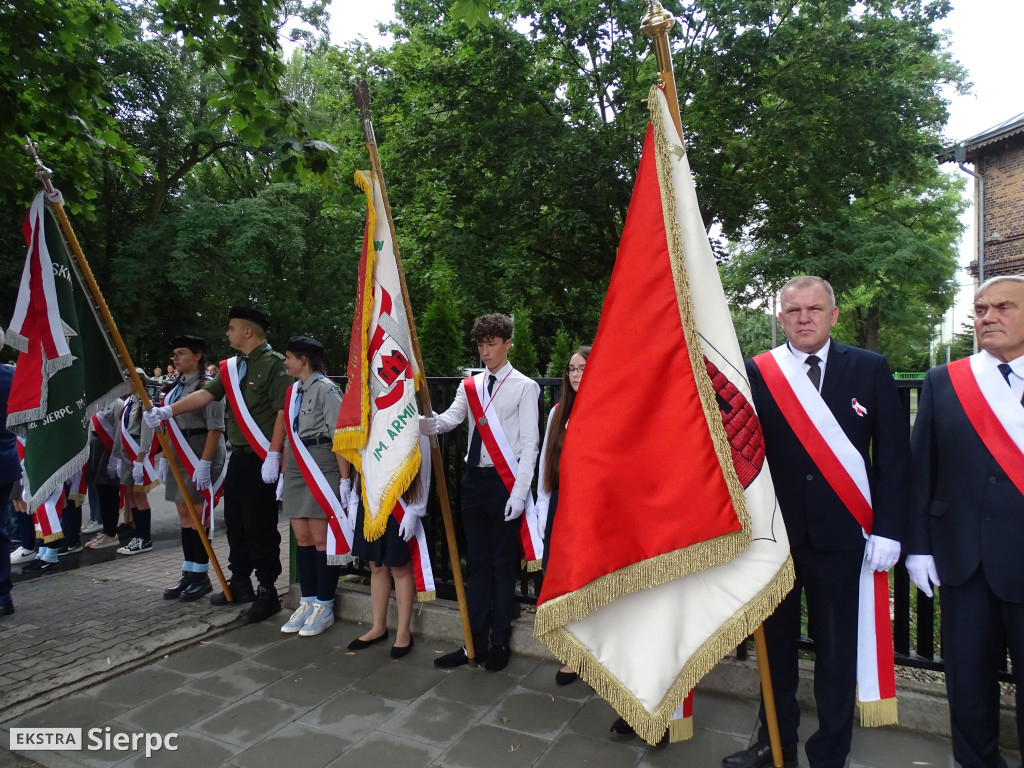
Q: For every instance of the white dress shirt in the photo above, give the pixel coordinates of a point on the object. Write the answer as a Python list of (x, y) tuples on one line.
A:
[(822, 356)]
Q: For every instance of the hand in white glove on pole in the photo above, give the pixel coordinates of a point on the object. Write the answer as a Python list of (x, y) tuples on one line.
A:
[(922, 572), (271, 467), (428, 425), (201, 477), (880, 553), (156, 414)]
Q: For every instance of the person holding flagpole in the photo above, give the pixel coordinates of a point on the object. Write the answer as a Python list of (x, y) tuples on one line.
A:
[(316, 486), (836, 442), (254, 383), (967, 518), (501, 407), (197, 442)]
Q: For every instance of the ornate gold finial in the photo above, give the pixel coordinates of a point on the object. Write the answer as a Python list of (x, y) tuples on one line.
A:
[(657, 22)]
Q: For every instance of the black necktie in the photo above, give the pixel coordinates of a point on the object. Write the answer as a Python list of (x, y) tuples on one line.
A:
[(1006, 370), (814, 372), (476, 441)]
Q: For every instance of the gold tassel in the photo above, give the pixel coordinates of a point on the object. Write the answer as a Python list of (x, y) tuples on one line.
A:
[(876, 713), (426, 597), (680, 730)]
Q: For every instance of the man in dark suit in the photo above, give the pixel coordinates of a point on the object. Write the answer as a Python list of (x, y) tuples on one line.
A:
[(855, 390), (967, 518)]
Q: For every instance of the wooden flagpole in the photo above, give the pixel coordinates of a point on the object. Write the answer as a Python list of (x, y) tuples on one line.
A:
[(362, 97), (44, 175), (656, 25)]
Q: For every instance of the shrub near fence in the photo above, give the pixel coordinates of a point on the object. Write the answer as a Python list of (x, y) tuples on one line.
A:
[(916, 617)]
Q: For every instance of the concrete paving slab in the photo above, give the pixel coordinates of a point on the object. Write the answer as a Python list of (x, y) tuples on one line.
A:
[(727, 714), (305, 688), (594, 719), (172, 712), (294, 746), (140, 686), (292, 652), (348, 666), (193, 750), (576, 750), (401, 681), (542, 679), (248, 721), (538, 714), (353, 713), (78, 711), (705, 748), (434, 720), (491, 747), (252, 638), (235, 681), (383, 750), (201, 659), (892, 748), (474, 687)]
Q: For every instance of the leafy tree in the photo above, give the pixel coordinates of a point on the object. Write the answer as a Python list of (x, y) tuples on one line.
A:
[(753, 329), (561, 351), (442, 339), (523, 354)]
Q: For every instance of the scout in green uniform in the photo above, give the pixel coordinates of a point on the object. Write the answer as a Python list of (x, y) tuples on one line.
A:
[(250, 506)]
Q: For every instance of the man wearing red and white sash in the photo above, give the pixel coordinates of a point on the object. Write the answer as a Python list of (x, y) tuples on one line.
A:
[(967, 517), (254, 383), (502, 408), (837, 445)]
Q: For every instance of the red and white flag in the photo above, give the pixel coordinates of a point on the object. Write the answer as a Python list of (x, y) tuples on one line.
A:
[(378, 428), (656, 572)]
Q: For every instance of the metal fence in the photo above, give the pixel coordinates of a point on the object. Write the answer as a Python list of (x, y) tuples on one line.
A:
[(916, 617)]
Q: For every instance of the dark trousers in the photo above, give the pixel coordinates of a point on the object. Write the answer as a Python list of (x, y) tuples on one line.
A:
[(71, 523), (26, 530), (6, 508), (109, 499), (830, 581), (977, 628), (250, 517), (492, 556)]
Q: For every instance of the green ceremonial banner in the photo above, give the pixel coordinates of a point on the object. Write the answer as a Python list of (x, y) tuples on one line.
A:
[(55, 319)]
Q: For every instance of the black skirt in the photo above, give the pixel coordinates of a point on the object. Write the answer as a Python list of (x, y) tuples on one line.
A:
[(388, 550)]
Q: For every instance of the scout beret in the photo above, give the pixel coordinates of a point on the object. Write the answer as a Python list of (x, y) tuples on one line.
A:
[(195, 343), (251, 314), (305, 345)]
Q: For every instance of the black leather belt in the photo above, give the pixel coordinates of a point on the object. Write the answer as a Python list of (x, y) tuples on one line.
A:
[(242, 449), (321, 440), (196, 431)]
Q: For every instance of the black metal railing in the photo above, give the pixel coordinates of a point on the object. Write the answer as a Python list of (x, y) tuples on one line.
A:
[(916, 636)]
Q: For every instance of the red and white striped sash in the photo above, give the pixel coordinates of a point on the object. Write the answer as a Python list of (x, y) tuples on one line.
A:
[(233, 388), (104, 430), (505, 461), (189, 460), (133, 450), (993, 410), (47, 516), (339, 531), (78, 486), (842, 466), (420, 553)]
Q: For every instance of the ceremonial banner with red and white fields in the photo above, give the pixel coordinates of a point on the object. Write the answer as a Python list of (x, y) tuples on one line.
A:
[(668, 547), (378, 427)]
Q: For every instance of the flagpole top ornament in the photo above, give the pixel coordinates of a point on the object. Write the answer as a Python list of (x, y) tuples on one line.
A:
[(658, 21), (44, 174)]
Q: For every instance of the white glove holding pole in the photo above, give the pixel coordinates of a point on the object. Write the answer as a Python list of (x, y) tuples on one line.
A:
[(881, 553), (409, 526), (201, 477), (138, 472), (114, 467), (161, 470), (157, 414), (542, 517), (344, 489), (271, 467), (922, 572), (514, 508), (428, 425)]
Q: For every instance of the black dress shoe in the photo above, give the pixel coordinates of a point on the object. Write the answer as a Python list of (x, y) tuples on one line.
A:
[(565, 678), (241, 593), (621, 729), (198, 585), (757, 756), (358, 645), (173, 593), (454, 659), (398, 651), (7, 608), (266, 604), (497, 658)]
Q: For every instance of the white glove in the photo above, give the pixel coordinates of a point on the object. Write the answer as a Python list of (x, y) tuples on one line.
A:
[(271, 467), (922, 571), (352, 507), (881, 553), (428, 425), (201, 477), (161, 470), (138, 472), (514, 508), (156, 414), (279, 492), (542, 517), (114, 467), (344, 489), (408, 527)]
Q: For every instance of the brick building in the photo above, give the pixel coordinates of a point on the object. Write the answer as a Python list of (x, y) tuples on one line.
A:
[(998, 158)]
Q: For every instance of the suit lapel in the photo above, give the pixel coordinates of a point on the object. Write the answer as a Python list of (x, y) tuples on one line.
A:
[(835, 370)]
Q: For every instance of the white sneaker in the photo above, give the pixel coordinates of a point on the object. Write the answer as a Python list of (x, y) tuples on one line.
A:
[(320, 619), (22, 555), (92, 527), (294, 624)]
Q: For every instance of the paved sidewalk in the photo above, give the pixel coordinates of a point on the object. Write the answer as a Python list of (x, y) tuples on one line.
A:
[(97, 647)]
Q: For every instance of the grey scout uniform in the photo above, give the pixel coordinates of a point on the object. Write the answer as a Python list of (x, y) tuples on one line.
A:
[(318, 415), (195, 427)]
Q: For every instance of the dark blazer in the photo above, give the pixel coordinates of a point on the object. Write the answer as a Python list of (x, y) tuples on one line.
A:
[(965, 511), (809, 506)]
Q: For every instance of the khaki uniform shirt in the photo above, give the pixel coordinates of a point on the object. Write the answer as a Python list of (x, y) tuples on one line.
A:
[(263, 388)]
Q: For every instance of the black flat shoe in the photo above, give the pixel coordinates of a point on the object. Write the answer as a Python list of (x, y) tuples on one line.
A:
[(621, 729), (565, 678), (358, 645), (398, 651), (757, 756)]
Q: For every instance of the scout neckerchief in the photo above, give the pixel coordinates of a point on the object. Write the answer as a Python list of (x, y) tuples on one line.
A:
[(189, 460), (500, 451), (842, 465), (233, 388), (339, 530), (133, 450), (993, 411)]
